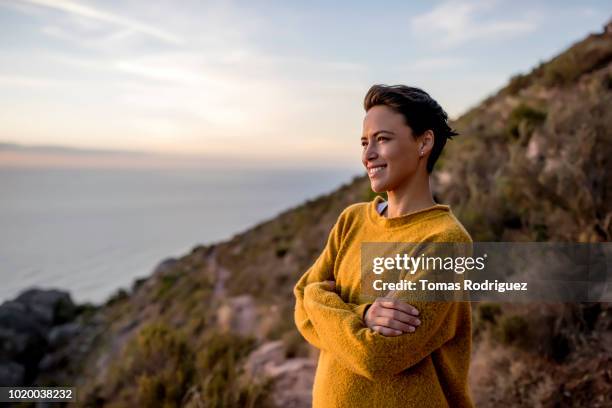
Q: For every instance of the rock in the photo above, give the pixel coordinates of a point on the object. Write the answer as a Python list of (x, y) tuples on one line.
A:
[(291, 366), (238, 315), (267, 322), (16, 316), (22, 336), (25, 325), (165, 266), (11, 374), (261, 359), (292, 379), (536, 147), (54, 361), (61, 335), (13, 343), (50, 306), (24, 348)]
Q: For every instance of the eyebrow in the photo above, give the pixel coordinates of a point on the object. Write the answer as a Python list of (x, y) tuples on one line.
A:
[(378, 132)]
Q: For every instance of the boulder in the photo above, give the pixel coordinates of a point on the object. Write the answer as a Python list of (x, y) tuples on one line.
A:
[(11, 374), (50, 306), (164, 266), (293, 382), (292, 378), (26, 324), (16, 316), (238, 315), (61, 335), (264, 357)]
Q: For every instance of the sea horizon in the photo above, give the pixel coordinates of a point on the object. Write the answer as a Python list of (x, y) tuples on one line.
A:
[(94, 231)]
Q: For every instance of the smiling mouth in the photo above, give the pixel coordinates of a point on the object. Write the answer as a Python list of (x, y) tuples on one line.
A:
[(375, 170)]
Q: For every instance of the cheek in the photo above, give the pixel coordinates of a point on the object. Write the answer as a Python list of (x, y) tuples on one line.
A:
[(395, 155), (400, 160)]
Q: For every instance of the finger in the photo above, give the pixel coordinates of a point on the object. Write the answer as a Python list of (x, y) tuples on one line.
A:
[(393, 324), (406, 318), (385, 331), (397, 315), (399, 305)]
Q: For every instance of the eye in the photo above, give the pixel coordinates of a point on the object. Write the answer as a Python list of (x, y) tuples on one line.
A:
[(379, 138), (364, 143)]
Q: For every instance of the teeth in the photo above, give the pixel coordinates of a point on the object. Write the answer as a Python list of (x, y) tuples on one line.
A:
[(375, 169)]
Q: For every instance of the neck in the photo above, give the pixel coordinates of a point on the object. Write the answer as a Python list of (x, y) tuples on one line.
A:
[(413, 195)]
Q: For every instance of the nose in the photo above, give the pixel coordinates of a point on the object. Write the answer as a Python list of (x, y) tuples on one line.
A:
[(370, 152)]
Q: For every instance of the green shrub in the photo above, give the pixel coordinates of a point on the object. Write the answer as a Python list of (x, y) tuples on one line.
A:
[(281, 251), (524, 114), (488, 312), (86, 311), (118, 296), (540, 232), (219, 364), (562, 70), (513, 330), (165, 284), (138, 283), (586, 56), (155, 369), (518, 82), (219, 347)]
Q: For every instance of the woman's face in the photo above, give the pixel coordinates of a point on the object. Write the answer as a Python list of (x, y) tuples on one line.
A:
[(390, 152)]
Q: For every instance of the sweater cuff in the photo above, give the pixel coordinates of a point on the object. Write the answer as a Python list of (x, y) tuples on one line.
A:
[(361, 310)]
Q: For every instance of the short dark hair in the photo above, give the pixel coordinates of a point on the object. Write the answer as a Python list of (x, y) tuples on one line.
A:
[(420, 111)]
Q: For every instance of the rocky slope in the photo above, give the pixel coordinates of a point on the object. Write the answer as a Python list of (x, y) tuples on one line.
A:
[(214, 328)]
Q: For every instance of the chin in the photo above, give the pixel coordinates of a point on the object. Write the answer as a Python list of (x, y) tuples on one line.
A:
[(378, 187)]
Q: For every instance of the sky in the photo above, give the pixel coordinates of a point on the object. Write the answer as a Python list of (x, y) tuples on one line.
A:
[(270, 82)]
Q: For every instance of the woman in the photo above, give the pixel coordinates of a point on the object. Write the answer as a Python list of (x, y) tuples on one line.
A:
[(388, 353)]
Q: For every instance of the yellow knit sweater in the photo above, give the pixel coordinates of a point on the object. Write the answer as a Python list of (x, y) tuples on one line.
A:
[(359, 367)]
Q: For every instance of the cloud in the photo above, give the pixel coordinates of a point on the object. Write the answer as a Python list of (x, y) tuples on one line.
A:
[(435, 63), (453, 23), (249, 87), (118, 38), (10, 146), (88, 12), (26, 81)]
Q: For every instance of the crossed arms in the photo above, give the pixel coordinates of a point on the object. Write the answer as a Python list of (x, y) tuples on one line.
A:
[(330, 324)]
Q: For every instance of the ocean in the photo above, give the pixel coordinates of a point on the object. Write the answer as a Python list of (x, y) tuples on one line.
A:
[(93, 231)]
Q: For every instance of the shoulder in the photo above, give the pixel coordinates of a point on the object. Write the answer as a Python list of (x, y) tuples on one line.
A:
[(355, 208), (447, 228), (353, 214), (354, 211)]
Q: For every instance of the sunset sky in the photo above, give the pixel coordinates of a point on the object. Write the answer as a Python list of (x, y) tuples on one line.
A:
[(270, 82)]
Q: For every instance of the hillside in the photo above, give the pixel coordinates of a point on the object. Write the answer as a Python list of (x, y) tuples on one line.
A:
[(214, 328)]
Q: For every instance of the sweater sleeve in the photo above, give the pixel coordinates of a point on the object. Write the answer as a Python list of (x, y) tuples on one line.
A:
[(368, 352), (321, 270)]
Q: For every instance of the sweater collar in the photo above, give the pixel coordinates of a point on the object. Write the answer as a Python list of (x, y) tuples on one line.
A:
[(404, 219)]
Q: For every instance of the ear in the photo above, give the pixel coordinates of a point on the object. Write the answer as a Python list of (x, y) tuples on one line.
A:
[(427, 141)]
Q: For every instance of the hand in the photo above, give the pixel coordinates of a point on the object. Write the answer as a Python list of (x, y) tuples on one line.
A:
[(332, 284), (392, 317)]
